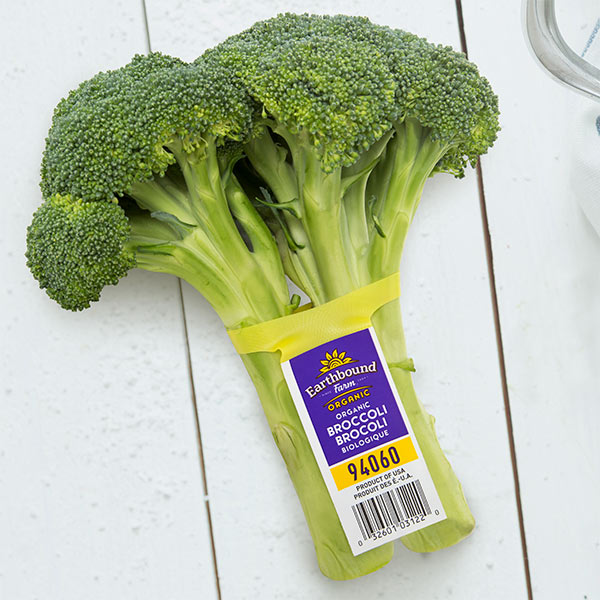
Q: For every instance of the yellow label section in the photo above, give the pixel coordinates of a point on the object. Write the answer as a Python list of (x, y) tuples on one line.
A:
[(374, 462), (305, 329)]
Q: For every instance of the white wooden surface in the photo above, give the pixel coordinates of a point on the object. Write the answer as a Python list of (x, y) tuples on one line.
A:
[(100, 488), (101, 492), (547, 265)]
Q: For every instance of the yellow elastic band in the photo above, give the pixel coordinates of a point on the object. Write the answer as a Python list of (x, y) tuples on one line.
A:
[(306, 329)]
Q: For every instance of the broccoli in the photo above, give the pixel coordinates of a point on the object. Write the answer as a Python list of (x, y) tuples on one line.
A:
[(355, 118), (299, 147), (137, 173)]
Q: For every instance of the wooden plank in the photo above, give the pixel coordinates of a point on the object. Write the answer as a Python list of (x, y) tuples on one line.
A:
[(546, 259), (100, 488), (263, 546)]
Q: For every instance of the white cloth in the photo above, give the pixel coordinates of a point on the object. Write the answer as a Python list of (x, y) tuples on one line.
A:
[(585, 173)]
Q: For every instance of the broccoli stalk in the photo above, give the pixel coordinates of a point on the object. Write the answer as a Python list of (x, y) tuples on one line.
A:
[(350, 252), (335, 558), (356, 118), (137, 172)]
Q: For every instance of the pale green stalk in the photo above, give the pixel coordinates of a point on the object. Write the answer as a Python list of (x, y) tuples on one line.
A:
[(356, 220), (199, 241), (333, 551)]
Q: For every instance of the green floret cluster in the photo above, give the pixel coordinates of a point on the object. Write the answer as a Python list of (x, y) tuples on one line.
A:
[(116, 129), (297, 148), (103, 135), (320, 72), (82, 242), (144, 143), (340, 95)]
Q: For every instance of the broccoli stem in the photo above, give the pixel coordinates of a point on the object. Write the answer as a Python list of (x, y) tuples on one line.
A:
[(387, 322), (398, 184), (335, 558), (270, 161), (357, 234), (240, 275), (410, 159), (405, 187), (321, 193)]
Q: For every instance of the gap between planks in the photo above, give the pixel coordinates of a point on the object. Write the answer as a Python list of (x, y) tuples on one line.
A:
[(199, 441), (192, 386), (498, 331)]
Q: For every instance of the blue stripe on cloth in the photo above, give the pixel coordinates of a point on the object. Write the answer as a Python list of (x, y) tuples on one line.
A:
[(592, 37)]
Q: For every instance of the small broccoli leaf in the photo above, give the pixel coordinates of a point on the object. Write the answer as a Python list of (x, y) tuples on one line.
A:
[(176, 224), (291, 206), (291, 242)]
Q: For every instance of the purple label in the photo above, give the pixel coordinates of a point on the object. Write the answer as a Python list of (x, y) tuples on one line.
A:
[(348, 396)]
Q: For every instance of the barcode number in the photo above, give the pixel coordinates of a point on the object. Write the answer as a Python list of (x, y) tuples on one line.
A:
[(396, 508)]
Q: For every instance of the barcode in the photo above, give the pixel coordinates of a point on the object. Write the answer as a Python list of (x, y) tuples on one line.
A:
[(391, 508)]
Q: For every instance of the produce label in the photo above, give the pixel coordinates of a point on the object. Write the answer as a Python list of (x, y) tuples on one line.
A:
[(362, 440)]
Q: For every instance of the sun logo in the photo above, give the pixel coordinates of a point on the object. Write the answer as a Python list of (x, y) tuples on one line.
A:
[(334, 360)]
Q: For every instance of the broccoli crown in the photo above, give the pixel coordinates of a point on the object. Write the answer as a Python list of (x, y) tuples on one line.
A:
[(345, 81), (118, 130), (75, 248), (114, 129), (340, 94)]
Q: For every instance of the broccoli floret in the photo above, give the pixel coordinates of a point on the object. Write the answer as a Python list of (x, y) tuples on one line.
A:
[(75, 248), (120, 127), (345, 81), (149, 148), (341, 95)]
